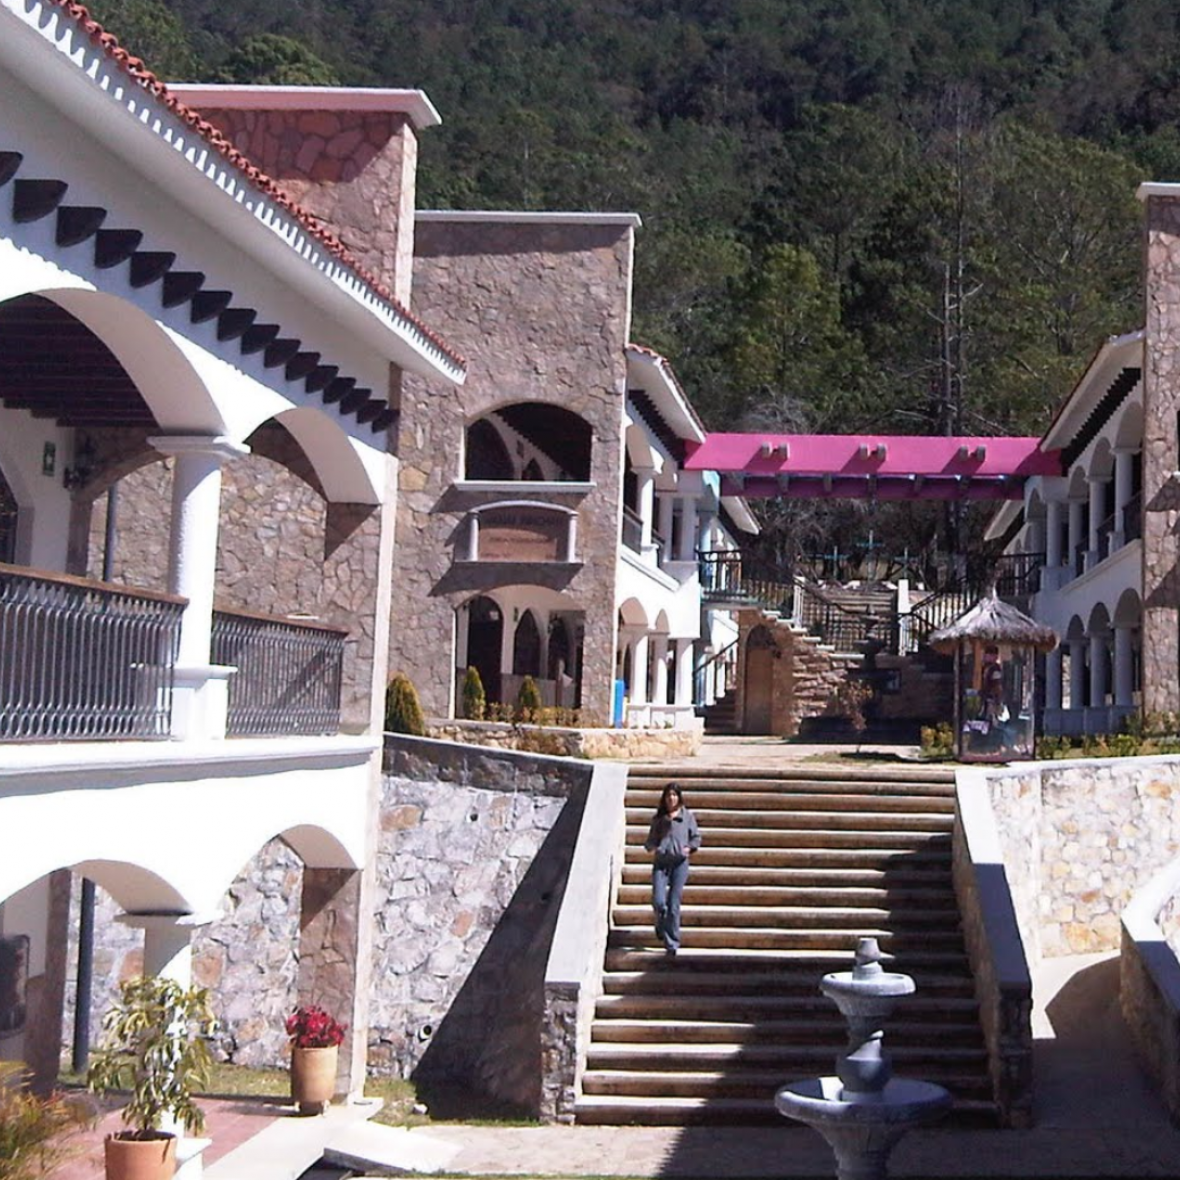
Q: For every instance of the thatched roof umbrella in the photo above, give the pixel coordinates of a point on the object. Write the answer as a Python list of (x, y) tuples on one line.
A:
[(992, 624), (992, 620)]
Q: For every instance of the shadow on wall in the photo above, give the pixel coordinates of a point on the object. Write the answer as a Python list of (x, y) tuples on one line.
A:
[(484, 1059)]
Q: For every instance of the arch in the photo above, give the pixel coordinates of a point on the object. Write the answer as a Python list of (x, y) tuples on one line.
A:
[(317, 847), (558, 650), (661, 626), (1076, 629), (344, 477), (632, 613), (526, 646), (1129, 610), (155, 359), (1077, 484), (758, 681), (1129, 431), (136, 889), (1101, 465), (542, 435), (485, 640), (485, 453), (1099, 622)]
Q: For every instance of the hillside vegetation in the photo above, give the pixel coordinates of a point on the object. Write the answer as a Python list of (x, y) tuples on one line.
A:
[(907, 215)]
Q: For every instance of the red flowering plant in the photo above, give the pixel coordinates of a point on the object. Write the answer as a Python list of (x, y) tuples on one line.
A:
[(310, 1027)]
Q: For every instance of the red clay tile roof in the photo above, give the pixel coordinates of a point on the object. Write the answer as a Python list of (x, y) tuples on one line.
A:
[(136, 69)]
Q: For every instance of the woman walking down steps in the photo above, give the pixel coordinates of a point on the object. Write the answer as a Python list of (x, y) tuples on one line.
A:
[(673, 837)]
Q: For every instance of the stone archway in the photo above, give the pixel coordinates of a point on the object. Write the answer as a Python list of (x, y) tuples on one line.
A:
[(758, 682)]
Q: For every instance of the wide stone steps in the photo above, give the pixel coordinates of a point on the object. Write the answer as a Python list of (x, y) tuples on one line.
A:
[(707, 893), (792, 873)]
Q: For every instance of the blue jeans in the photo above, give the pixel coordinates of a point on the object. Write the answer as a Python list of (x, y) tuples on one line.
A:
[(667, 884)]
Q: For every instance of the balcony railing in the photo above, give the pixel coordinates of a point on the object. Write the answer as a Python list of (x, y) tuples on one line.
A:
[(632, 529), (1018, 575), (83, 660), (289, 673)]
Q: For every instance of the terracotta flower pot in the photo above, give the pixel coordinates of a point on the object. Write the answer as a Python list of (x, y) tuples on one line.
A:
[(140, 1159), (313, 1077)]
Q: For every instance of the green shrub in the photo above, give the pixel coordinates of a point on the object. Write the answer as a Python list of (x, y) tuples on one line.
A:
[(528, 700), (938, 741), (403, 710), (34, 1130), (475, 700)]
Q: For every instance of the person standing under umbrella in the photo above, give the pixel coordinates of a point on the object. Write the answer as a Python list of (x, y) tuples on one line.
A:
[(673, 837)]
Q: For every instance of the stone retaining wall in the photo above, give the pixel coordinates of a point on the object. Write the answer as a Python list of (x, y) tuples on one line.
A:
[(1079, 838), (564, 742)]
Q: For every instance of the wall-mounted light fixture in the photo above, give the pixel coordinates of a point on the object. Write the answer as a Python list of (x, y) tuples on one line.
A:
[(82, 468)]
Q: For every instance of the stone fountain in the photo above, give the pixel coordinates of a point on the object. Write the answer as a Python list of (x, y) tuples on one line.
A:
[(863, 1111)]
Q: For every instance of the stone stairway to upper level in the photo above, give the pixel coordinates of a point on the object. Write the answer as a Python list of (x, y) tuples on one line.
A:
[(794, 868)]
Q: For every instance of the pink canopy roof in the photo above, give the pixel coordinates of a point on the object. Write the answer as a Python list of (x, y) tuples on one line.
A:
[(889, 466)]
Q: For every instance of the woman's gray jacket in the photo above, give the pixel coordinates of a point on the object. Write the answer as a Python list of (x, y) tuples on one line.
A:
[(672, 838)]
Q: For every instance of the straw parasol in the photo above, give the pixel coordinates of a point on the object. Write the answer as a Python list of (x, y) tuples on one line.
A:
[(992, 620)]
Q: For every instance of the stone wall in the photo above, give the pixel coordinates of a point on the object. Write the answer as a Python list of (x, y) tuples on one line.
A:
[(474, 850), (627, 744), (804, 675), (248, 958), (542, 309), (1079, 838)]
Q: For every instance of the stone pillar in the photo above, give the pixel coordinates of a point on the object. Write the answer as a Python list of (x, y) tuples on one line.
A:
[(659, 654), (200, 695), (688, 529), (1097, 503), (1077, 673), (335, 960), (1123, 466), (1161, 404), (684, 671), (1124, 666), (1053, 693), (667, 504), (638, 685)]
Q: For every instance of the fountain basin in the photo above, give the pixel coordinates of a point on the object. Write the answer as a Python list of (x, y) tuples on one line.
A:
[(826, 1103)]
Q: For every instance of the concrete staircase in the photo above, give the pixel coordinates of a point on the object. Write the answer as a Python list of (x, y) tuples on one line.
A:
[(793, 870)]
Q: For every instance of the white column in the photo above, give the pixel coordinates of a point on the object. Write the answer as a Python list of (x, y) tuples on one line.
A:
[(659, 653), (645, 505), (1053, 693), (1076, 514), (1077, 673), (473, 537), (1123, 458), (688, 528), (684, 660), (571, 537), (1098, 671), (1124, 666), (1097, 502), (638, 684), (707, 518), (200, 688), (667, 504), (1053, 534)]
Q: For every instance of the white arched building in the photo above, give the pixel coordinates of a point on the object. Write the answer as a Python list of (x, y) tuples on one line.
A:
[(1075, 547), (168, 314)]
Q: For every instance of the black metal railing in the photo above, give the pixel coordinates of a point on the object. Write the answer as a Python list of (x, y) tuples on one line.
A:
[(717, 672), (727, 580), (1079, 558), (1133, 518), (845, 628), (83, 660), (289, 673), (935, 612), (1018, 575)]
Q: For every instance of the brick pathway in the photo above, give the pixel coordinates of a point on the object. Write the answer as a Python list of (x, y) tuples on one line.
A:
[(229, 1122)]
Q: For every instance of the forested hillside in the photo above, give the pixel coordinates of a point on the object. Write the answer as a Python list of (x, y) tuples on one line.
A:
[(915, 215)]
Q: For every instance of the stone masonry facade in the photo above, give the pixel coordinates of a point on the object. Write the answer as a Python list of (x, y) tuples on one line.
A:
[(1161, 458), (543, 310)]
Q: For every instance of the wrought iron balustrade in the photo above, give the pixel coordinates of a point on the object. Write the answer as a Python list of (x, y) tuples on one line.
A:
[(1018, 575), (289, 673), (83, 660)]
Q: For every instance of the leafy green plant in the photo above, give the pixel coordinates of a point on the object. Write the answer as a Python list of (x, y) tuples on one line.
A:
[(403, 710), (528, 700), (938, 741), (34, 1129), (155, 1045), (475, 700)]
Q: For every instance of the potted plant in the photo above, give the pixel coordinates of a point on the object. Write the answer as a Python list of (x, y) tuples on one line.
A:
[(155, 1047), (34, 1130), (315, 1042)]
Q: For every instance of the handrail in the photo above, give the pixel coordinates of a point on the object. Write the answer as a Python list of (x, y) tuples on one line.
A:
[(90, 584), (306, 621)]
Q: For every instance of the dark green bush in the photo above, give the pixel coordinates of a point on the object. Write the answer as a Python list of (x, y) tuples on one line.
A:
[(475, 700), (403, 710)]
